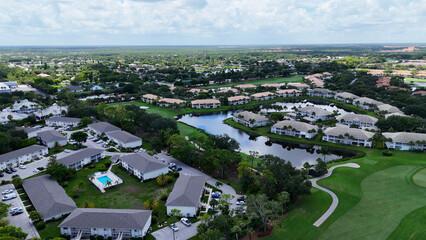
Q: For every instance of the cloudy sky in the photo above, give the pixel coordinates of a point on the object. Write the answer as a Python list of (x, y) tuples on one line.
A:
[(210, 22)]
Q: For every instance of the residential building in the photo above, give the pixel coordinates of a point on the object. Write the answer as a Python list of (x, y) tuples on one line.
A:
[(288, 93), (48, 197), (186, 195), (197, 91), (321, 92), (405, 140), (143, 165), (72, 88), (107, 223), (21, 156), (349, 136), (125, 139), (96, 87), (314, 112), (250, 119), (294, 129), (5, 115), (25, 106), (395, 114), (63, 122), (52, 111), (102, 127), (4, 88), (171, 102), (345, 97), (11, 85), (50, 138), (366, 103), (386, 108), (149, 98), (237, 100), (82, 157), (299, 86), (263, 96), (228, 90), (32, 131), (205, 103), (246, 86), (359, 120)]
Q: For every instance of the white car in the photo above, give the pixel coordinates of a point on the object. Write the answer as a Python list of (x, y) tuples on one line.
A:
[(240, 203), (7, 191), (186, 222), (22, 167), (36, 171), (174, 227), (67, 150), (13, 209)]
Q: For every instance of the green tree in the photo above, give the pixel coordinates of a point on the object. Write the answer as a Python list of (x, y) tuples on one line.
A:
[(4, 209), (85, 121), (258, 206), (79, 137), (12, 233), (151, 204), (35, 216), (321, 167), (17, 181)]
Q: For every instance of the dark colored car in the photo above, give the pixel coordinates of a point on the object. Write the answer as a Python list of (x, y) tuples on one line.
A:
[(40, 168), (215, 195), (13, 170), (17, 212), (1, 175), (8, 171), (242, 198)]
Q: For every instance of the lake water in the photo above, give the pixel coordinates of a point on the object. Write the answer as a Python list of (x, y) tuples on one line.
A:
[(297, 154)]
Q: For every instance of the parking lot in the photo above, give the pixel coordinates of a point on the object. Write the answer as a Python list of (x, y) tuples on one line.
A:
[(29, 169), (184, 232), (21, 220)]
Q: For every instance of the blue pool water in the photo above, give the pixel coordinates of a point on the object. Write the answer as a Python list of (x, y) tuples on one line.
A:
[(104, 179)]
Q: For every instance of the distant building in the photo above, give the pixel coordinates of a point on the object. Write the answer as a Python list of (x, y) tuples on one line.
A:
[(228, 90), (82, 157), (4, 88), (321, 92), (314, 112), (25, 106), (288, 93), (386, 108), (250, 119), (72, 88), (186, 195), (125, 139), (52, 111), (366, 103), (295, 129), (299, 86), (357, 119), (48, 197), (143, 166), (49, 138), (405, 140), (21, 156), (63, 122), (238, 100), (33, 131), (197, 91), (345, 97), (107, 223), (102, 127), (349, 136), (96, 88), (171, 102), (263, 96), (11, 85), (205, 103), (6, 115), (149, 98)]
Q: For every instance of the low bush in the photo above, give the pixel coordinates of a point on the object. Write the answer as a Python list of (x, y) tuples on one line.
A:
[(163, 197), (40, 225), (387, 153)]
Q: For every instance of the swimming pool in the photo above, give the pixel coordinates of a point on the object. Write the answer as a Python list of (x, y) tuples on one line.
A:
[(104, 179)]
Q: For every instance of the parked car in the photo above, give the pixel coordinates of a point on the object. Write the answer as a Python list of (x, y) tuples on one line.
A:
[(22, 167), (240, 203), (67, 150), (215, 195), (13, 170), (242, 198), (8, 171), (9, 197), (174, 227), (12, 209), (104, 145), (7, 191), (240, 211), (172, 165), (1, 175), (36, 171), (17, 212), (186, 222), (40, 168)]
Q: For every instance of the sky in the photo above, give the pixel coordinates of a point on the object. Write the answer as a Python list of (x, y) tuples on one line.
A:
[(210, 22)]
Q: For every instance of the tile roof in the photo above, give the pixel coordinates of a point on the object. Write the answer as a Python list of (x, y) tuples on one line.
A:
[(205, 101)]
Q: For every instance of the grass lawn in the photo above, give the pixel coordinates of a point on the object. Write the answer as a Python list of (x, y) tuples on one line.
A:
[(376, 201), (295, 78), (51, 230), (420, 178), (415, 80)]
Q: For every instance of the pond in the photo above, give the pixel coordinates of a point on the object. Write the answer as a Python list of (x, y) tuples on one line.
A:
[(297, 154)]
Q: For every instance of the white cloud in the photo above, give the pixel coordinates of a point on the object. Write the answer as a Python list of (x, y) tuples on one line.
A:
[(210, 21)]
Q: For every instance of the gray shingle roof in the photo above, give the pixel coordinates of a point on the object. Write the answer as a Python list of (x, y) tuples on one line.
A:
[(321, 90), (299, 126), (388, 108), (123, 136), (64, 119), (107, 218), (20, 152), (350, 117), (366, 100), (104, 127), (48, 197), (187, 191), (354, 132), (247, 116), (51, 136), (143, 162), (317, 111), (79, 155), (405, 137), (73, 88), (346, 95)]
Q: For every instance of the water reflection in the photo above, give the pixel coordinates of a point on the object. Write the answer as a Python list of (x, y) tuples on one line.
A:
[(297, 154)]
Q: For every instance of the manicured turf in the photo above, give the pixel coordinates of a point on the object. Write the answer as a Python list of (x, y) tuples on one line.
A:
[(50, 231), (420, 178), (415, 80), (373, 200), (413, 225), (296, 78)]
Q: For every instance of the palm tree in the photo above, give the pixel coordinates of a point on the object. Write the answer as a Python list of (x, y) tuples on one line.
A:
[(150, 204), (108, 183), (162, 179)]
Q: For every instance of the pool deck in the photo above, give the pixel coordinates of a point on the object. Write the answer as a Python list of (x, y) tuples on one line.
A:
[(114, 178)]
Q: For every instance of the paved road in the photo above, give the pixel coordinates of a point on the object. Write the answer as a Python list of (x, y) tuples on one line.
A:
[(21, 220), (28, 171), (183, 233), (335, 202)]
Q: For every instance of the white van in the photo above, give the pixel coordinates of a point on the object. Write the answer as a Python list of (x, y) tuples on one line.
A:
[(9, 197)]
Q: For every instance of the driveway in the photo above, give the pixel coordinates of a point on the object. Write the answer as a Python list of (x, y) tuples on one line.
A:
[(21, 220), (183, 233), (335, 202), (28, 171)]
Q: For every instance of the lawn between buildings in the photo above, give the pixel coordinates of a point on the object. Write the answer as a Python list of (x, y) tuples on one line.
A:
[(131, 194), (295, 78), (376, 201)]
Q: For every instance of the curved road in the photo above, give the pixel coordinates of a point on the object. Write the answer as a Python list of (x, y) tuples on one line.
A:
[(333, 196)]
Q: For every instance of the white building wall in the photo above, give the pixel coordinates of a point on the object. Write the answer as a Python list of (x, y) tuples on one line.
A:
[(156, 173), (186, 211)]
